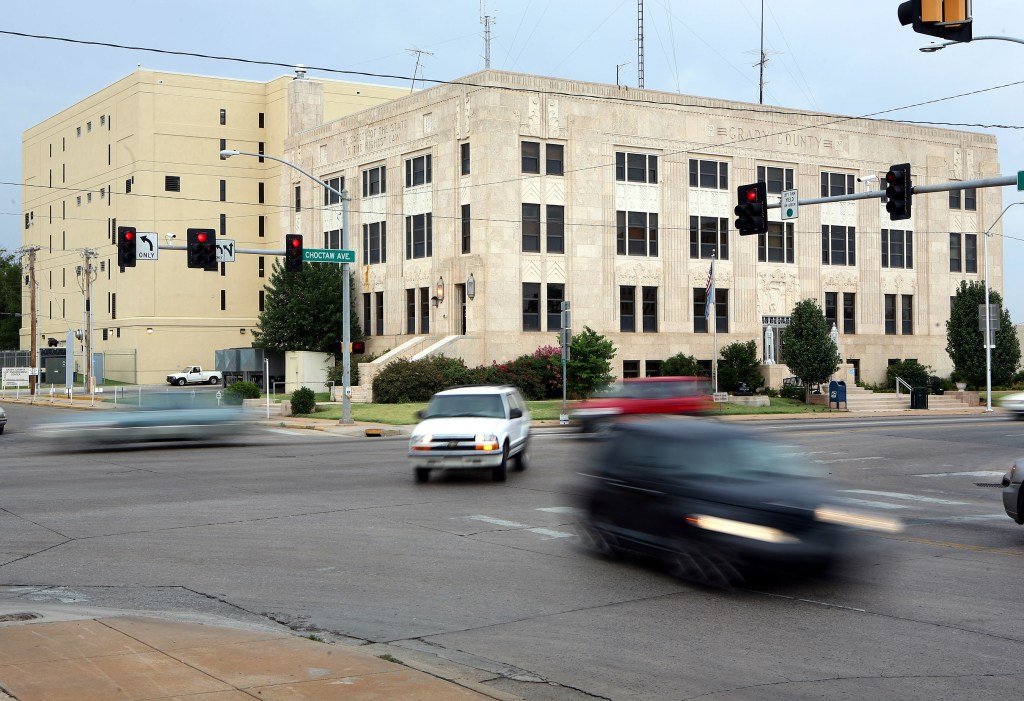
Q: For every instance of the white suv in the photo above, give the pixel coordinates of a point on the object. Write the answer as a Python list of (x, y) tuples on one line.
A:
[(478, 427)]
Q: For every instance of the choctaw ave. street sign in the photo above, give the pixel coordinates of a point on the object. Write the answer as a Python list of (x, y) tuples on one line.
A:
[(328, 255)]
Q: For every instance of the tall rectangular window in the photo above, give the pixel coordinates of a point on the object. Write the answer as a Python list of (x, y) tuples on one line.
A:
[(553, 159), (298, 198), (330, 196), (419, 236), (531, 228), (375, 181), (261, 267), (223, 145), (650, 309), (712, 175), (467, 240), (223, 190), (367, 319), (261, 191), (223, 300), (970, 253), (636, 167), (849, 313), (555, 232), (261, 226), (223, 225), (530, 156), (424, 310), (375, 243), (556, 295), (418, 170), (838, 245), (709, 236), (776, 179), (627, 308), (971, 198), (261, 120), (410, 311), (832, 310), (263, 300), (636, 233), (897, 248), (379, 300), (835, 184), (955, 261), (113, 306), (721, 310), (531, 306), (464, 157), (700, 322), (777, 245), (223, 116), (907, 314), (890, 315), (332, 240), (261, 147)]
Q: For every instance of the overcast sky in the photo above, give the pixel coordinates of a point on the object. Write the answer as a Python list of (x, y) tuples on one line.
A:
[(823, 55)]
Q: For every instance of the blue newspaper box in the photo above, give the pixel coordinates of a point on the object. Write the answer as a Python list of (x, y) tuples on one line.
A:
[(836, 393)]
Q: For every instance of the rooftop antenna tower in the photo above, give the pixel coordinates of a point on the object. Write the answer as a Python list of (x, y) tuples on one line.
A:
[(640, 42), (486, 20), (419, 54)]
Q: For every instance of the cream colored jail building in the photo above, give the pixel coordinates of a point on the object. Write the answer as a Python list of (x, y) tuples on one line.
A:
[(478, 206), (145, 152)]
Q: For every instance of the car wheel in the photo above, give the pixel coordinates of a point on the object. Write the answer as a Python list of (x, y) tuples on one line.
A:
[(694, 563), (523, 458), (422, 474), (214, 380), (1019, 415), (596, 540), (498, 473), (180, 382), (2, 429)]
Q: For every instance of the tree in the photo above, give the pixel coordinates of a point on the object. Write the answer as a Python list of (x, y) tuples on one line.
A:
[(965, 342), (739, 363), (302, 311), (682, 365), (807, 347), (10, 302), (589, 365)]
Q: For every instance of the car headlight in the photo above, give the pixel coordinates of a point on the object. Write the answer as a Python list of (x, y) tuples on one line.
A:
[(486, 441), (842, 517), (742, 529), (420, 441)]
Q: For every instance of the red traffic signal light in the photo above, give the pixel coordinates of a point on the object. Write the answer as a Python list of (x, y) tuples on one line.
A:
[(899, 192), (126, 246), (293, 253), (202, 249), (752, 210), (947, 19)]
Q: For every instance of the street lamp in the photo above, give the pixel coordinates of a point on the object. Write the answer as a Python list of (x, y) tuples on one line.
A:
[(938, 47), (346, 335), (988, 314)]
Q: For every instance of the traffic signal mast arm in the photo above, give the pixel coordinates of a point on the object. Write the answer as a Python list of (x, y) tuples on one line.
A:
[(182, 247), (1001, 181)]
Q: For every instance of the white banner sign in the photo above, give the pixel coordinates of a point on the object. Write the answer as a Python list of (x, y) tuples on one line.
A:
[(16, 376)]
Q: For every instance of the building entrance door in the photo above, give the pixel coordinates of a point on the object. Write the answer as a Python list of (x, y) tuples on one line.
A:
[(461, 292)]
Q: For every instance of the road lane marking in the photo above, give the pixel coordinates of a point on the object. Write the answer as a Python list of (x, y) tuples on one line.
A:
[(972, 473), (906, 497), (550, 533), (561, 510), (496, 521), (870, 504), (829, 462)]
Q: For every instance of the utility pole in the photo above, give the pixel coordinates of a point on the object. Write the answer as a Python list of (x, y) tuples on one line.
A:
[(486, 20), (87, 273), (763, 59), (419, 54), (33, 379), (640, 43)]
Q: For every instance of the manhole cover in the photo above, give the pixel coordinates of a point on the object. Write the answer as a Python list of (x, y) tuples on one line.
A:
[(988, 484), (8, 617)]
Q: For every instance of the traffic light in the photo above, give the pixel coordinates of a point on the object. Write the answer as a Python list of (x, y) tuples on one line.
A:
[(202, 249), (752, 210), (898, 192), (946, 19), (126, 241), (357, 347), (293, 253)]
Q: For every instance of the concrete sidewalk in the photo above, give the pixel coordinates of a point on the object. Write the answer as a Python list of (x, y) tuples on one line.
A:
[(69, 657)]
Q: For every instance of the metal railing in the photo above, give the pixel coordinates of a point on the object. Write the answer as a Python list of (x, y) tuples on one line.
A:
[(901, 381)]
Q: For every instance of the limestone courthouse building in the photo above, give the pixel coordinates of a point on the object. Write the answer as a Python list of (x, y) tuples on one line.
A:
[(477, 207)]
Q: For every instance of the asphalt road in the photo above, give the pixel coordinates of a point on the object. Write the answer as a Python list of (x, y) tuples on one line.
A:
[(331, 535)]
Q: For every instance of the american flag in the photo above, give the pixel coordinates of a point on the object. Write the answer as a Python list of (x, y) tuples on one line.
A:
[(709, 292)]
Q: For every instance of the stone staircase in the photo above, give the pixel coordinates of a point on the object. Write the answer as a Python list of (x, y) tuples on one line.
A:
[(859, 399)]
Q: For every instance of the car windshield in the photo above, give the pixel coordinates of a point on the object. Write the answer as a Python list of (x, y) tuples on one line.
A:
[(187, 369), (450, 405), (733, 458)]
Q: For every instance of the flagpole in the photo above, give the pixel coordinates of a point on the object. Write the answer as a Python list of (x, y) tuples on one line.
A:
[(714, 321)]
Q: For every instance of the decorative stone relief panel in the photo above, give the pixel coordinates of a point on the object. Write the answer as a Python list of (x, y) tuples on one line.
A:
[(532, 127), (777, 292), (376, 278), (373, 208), (556, 271), (555, 129), (971, 174), (839, 213), (467, 117), (699, 276), (636, 197), (554, 191), (709, 203), (417, 201), (957, 166), (900, 283), (638, 273), (332, 217), (465, 194), (530, 188), (418, 273), (839, 281), (530, 270), (428, 123)]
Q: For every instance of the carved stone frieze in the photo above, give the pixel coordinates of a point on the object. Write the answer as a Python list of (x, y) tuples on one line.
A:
[(840, 281), (708, 203), (638, 273), (777, 292)]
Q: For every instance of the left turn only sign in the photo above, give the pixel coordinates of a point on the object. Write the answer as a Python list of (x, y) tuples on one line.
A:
[(146, 247)]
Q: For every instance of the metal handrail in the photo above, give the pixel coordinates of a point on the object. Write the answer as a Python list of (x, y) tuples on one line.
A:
[(901, 381)]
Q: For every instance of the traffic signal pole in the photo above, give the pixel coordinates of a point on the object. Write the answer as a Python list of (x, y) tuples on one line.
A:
[(1000, 181)]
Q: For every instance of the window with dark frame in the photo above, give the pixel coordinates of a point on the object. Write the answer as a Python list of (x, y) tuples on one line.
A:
[(849, 313), (223, 225), (777, 246), (172, 183), (554, 157), (636, 233), (263, 300), (709, 237), (627, 308), (556, 295), (464, 157), (467, 241), (836, 184), (776, 178), (713, 175), (530, 156), (223, 116), (419, 236), (379, 299), (298, 198), (223, 300), (650, 309), (970, 253), (531, 306), (636, 167), (261, 189), (424, 310), (418, 170), (630, 369), (890, 315), (971, 199), (261, 267), (555, 229), (410, 311), (838, 245), (223, 190), (653, 368), (367, 319), (260, 120), (261, 149), (897, 248), (721, 310), (907, 314), (261, 225), (531, 227), (336, 183), (375, 181), (375, 244), (955, 259), (831, 310)]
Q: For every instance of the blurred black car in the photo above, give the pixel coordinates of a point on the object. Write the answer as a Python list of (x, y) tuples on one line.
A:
[(1012, 492), (715, 503)]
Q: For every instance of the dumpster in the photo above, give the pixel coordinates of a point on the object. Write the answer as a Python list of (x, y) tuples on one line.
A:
[(836, 393), (919, 398)]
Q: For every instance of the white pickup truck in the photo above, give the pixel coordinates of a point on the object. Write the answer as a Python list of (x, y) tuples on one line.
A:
[(194, 375)]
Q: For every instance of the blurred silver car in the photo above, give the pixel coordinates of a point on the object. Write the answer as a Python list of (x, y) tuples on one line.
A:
[(3, 419), (1014, 403)]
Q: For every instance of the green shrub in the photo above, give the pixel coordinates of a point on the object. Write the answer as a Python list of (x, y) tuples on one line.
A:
[(771, 392), (303, 401), (335, 373), (791, 392), (682, 365), (237, 391), (536, 376), (739, 363), (912, 372), (404, 381)]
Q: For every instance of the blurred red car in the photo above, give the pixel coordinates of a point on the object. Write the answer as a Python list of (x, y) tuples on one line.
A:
[(643, 395)]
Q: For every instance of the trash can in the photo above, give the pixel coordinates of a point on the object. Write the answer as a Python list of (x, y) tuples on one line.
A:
[(919, 398)]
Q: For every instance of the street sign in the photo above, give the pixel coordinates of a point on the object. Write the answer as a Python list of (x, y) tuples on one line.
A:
[(14, 377), (1020, 180), (790, 208), (146, 247), (995, 313), (225, 250), (328, 255)]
